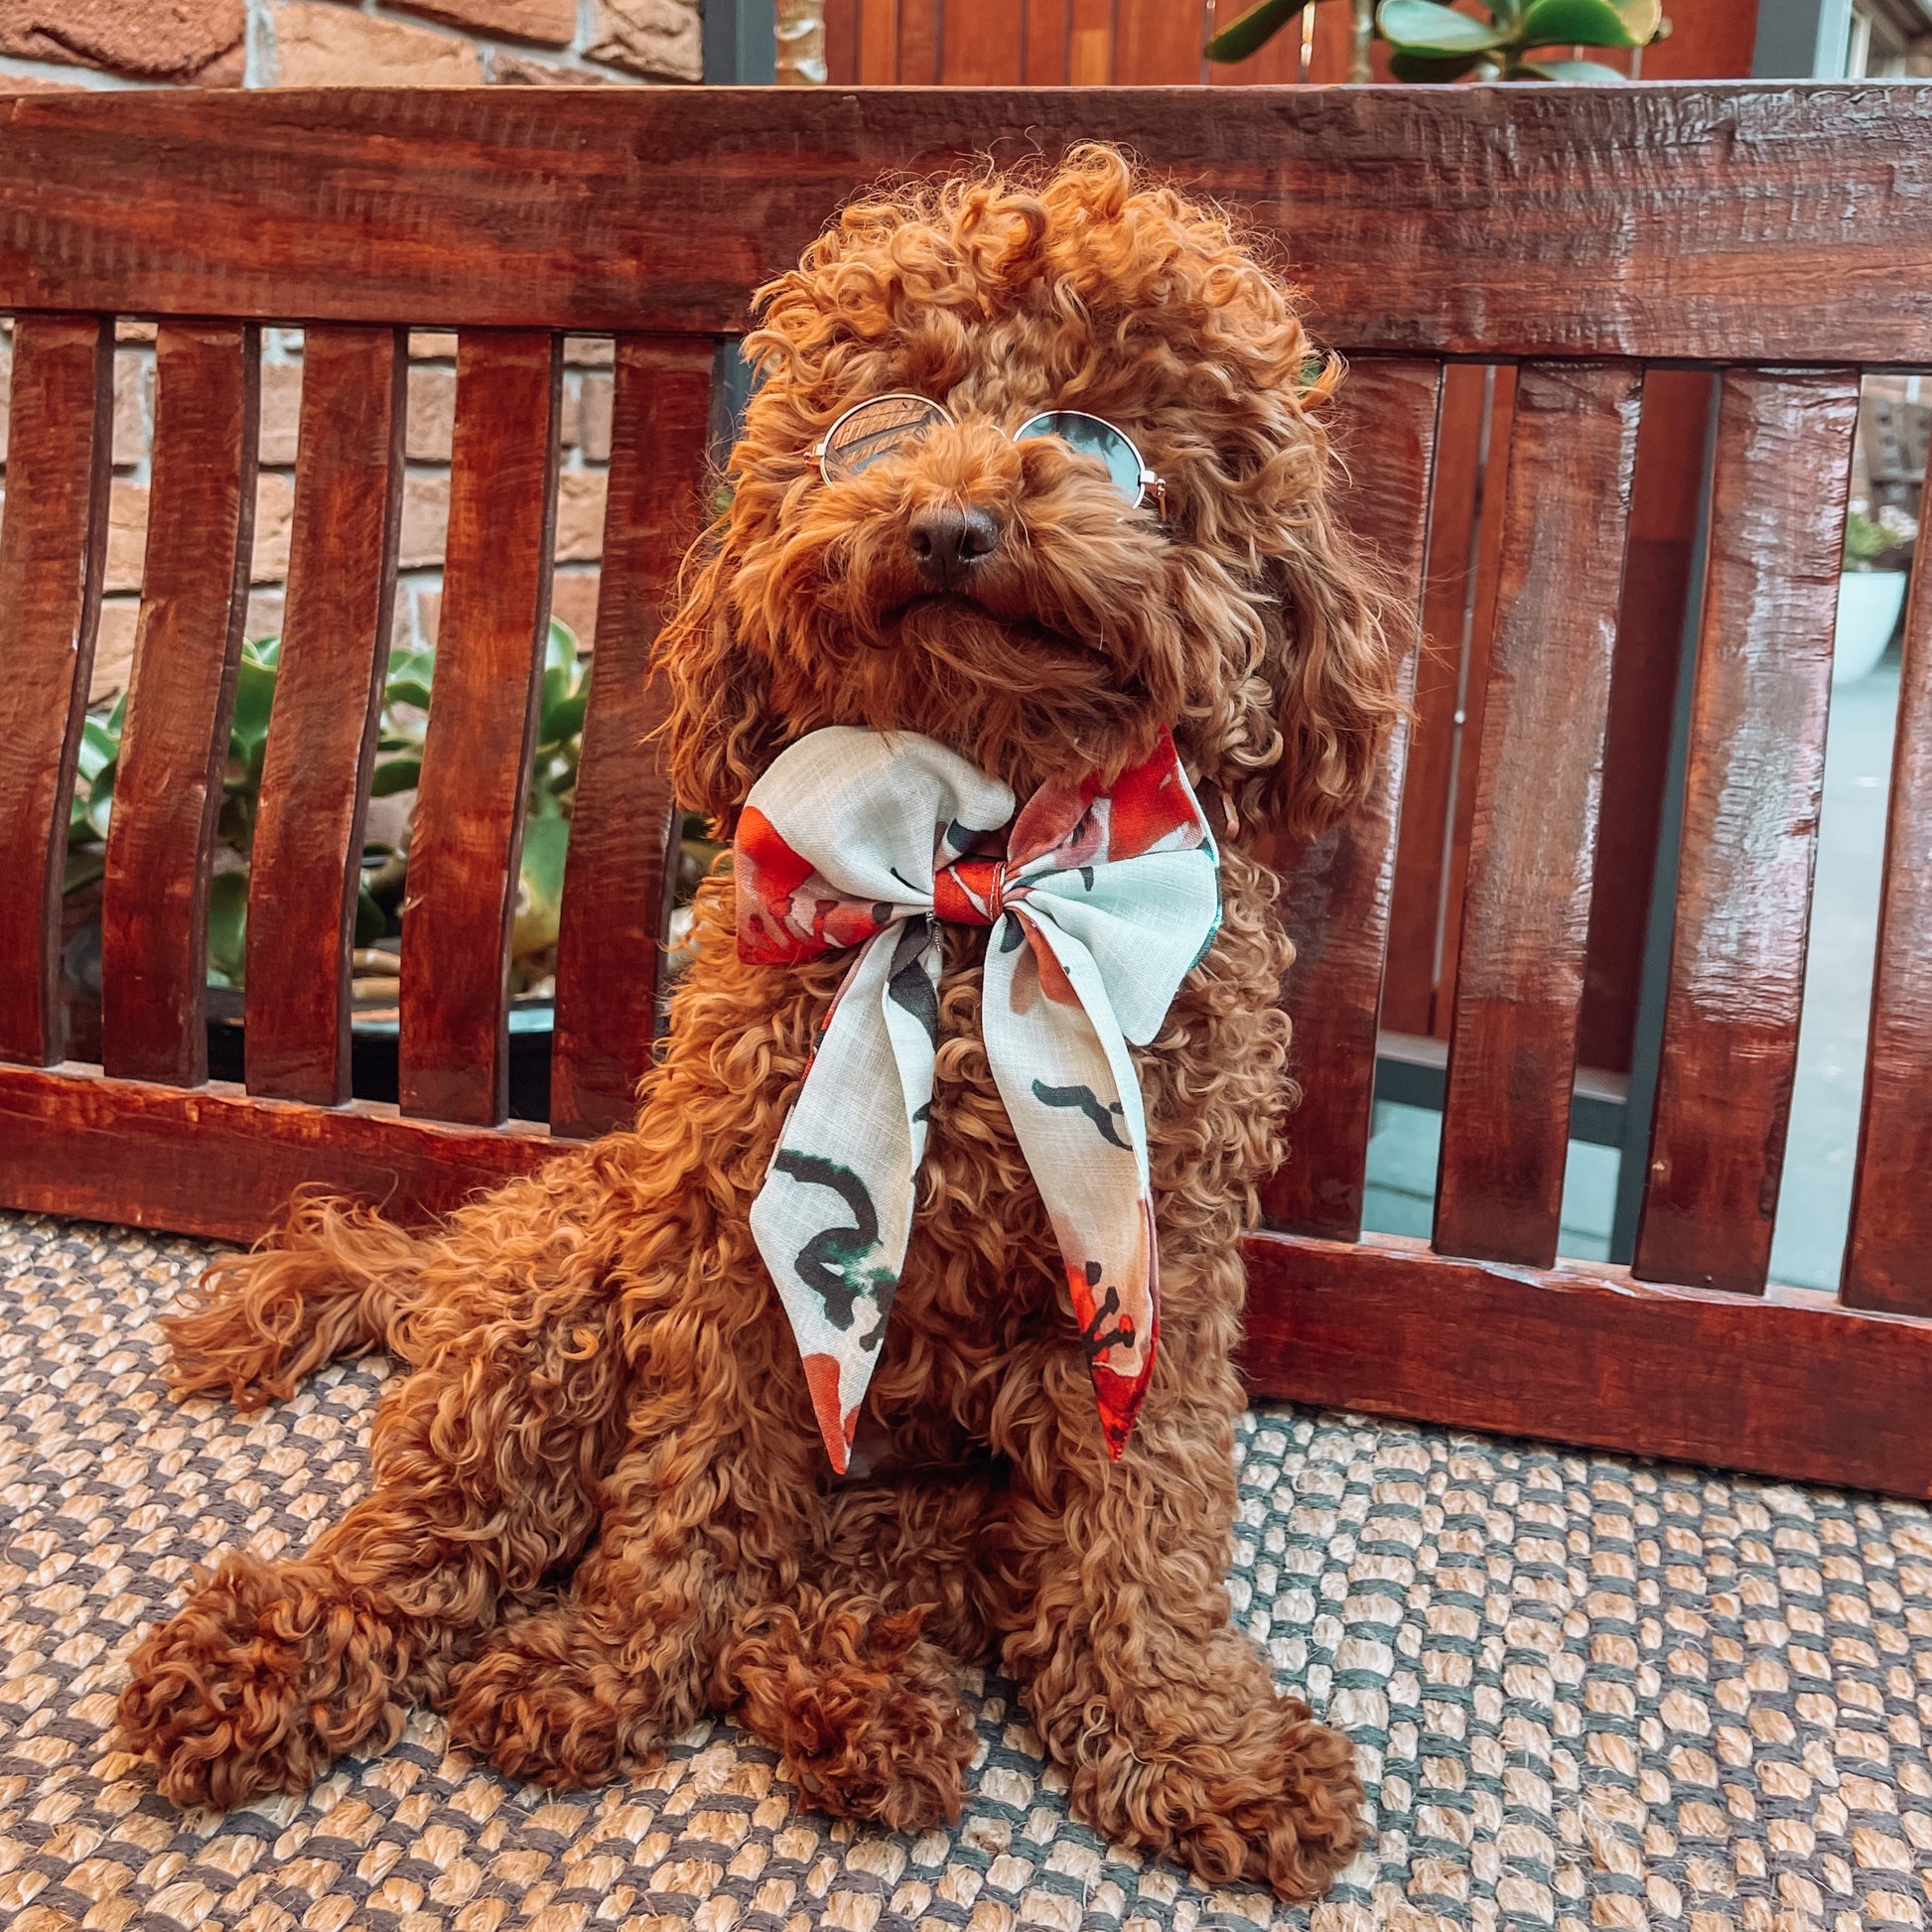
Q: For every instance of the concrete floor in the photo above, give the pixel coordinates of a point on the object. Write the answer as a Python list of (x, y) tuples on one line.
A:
[(1815, 1203)]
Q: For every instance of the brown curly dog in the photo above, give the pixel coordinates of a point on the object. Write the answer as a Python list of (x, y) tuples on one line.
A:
[(600, 1503)]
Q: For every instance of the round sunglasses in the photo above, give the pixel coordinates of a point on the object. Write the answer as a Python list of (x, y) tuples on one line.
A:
[(883, 427)]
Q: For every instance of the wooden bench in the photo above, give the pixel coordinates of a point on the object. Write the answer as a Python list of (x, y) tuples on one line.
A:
[(1782, 239)]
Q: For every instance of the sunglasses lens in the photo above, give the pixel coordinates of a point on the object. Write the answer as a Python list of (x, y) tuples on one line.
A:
[(878, 429), (1091, 436)]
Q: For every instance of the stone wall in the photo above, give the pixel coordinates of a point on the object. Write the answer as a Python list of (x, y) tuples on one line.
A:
[(338, 43), (53, 44)]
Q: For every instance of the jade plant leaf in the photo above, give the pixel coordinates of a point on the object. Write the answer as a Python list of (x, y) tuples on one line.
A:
[(227, 925), (1423, 26), (1580, 72), (539, 899), (1252, 31), (1427, 67), (1585, 23), (393, 775)]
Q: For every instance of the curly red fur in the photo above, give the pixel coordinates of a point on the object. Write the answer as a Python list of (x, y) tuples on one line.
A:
[(600, 1505)]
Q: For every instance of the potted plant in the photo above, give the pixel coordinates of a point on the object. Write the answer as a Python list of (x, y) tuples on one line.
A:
[(1431, 41), (1871, 590), (377, 959)]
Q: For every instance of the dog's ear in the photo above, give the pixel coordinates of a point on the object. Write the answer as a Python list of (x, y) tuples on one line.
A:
[(1334, 669), (720, 730)]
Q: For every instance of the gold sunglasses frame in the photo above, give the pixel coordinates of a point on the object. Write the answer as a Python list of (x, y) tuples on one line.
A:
[(1149, 481)]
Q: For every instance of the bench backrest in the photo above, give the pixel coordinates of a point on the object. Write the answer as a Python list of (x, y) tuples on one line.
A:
[(1780, 239)]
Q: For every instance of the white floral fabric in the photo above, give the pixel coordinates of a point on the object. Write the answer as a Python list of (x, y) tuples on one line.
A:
[(1100, 903)]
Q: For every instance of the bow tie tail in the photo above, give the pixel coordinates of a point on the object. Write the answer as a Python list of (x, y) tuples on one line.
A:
[(835, 1214), (1063, 1069)]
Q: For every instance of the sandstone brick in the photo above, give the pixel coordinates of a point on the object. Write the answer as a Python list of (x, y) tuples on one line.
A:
[(183, 39), (281, 412), (580, 517), (275, 512), (594, 418), (425, 521), (317, 45), (264, 619), (133, 407), (573, 597), (428, 614), (113, 646), (127, 535), (6, 389), (515, 70), (661, 39), (553, 23), (432, 346), (432, 415), (134, 331), (589, 352)]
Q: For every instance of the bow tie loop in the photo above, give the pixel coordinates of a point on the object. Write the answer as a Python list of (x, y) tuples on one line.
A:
[(1104, 898)]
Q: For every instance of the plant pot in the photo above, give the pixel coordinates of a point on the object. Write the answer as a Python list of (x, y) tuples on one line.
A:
[(1868, 602)]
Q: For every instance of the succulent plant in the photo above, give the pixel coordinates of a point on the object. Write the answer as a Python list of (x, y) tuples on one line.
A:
[(1434, 43)]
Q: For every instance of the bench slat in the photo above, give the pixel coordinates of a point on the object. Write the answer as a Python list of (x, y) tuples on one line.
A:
[(1750, 824), (52, 539), (307, 856), (468, 837), (1512, 1056), (1888, 1257), (1335, 892), (625, 822), (181, 697)]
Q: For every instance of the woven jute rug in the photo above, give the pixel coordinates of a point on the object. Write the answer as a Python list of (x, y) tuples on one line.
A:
[(1585, 1693)]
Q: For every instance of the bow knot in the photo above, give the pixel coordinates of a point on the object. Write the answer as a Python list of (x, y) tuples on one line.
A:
[(970, 891), (1103, 897)]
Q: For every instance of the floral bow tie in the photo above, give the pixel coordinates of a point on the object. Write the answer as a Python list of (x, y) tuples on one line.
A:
[(1100, 903)]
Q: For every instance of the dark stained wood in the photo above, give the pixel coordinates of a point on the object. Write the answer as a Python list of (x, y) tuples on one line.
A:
[(468, 837), (53, 538), (921, 38), (1657, 569), (1157, 42), (842, 41), (624, 823), (1048, 29), (984, 44), (180, 697), (1790, 1386), (1428, 785), (1513, 1044), (1427, 221), (1750, 826), (877, 44), (1485, 565), (1888, 1255), (307, 857), (1335, 892), (211, 1160)]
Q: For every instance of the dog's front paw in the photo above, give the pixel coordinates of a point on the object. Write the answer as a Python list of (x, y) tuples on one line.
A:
[(547, 1701), (1279, 1805), (865, 1710), (887, 1749), (227, 1700)]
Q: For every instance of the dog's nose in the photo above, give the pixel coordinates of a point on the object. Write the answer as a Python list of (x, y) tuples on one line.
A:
[(946, 543)]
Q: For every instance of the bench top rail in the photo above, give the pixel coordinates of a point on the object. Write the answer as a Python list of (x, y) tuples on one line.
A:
[(1693, 222)]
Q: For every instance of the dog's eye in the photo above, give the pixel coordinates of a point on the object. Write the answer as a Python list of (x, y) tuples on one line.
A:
[(1095, 436), (874, 430)]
